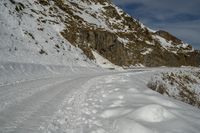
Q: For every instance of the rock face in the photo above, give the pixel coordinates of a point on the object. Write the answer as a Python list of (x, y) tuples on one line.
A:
[(99, 25)]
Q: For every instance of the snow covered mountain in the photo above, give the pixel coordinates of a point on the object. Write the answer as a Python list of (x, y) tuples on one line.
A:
[(50, 82), (71, 31)]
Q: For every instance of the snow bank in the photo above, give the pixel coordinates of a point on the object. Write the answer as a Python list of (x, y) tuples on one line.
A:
[(182, 84), (152, 113), (13, 72)]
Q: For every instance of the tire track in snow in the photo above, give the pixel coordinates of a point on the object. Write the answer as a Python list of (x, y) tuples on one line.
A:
[(23, 91), (28, 114), (36, 109)]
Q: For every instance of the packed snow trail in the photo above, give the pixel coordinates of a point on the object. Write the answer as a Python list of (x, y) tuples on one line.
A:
[(25, 105)]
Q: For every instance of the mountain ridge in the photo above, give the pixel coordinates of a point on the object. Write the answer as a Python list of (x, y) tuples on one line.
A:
[(101, 26)]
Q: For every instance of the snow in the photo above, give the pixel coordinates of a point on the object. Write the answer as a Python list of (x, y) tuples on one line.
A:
[(88, 14), (128, 126), (90, 19), (145, 27), (152, 113), (163, 41), (168, 45), (150, 43), (22, 40), (121, 103), (114, 113), (148, 51), (54, 99), (103, 62), (184, 79), (64, 92), (123, 40)]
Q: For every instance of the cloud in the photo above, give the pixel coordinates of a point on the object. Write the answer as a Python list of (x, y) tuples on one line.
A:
[(179, 17)]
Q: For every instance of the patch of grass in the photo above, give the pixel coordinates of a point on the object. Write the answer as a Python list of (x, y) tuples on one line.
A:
[(159, 87)]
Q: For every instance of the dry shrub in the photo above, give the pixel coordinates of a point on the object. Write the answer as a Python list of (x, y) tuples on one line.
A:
[(181, 82)]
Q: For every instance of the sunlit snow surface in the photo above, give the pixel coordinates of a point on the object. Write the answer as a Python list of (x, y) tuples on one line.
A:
[(121, 103), (56, 99)]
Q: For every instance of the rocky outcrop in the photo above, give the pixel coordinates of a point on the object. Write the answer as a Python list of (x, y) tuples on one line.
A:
[(104, 42), (168, 37)]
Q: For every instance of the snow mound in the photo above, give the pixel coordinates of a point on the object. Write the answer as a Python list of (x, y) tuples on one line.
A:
[(152, 113), (130, 126), (103, 62)]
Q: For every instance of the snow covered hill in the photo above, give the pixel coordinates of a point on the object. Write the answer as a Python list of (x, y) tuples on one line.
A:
[(26, 38), (68, 32)]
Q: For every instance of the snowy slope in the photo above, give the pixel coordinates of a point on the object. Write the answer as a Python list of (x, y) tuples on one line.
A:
[(34, 32), (101, 61), (25, 38), (13, 72), (170, 46), (96, 15)]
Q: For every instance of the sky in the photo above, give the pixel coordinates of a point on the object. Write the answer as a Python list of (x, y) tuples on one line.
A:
[(179, 17)]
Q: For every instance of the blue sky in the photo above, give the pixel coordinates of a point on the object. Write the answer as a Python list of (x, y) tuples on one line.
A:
[(179, 17)]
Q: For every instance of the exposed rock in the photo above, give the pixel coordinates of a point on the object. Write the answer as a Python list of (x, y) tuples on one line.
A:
[(44, 2), (168, 37)]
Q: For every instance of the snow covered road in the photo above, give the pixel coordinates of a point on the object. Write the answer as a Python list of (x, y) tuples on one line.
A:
[(24, 106), (95, 102)]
